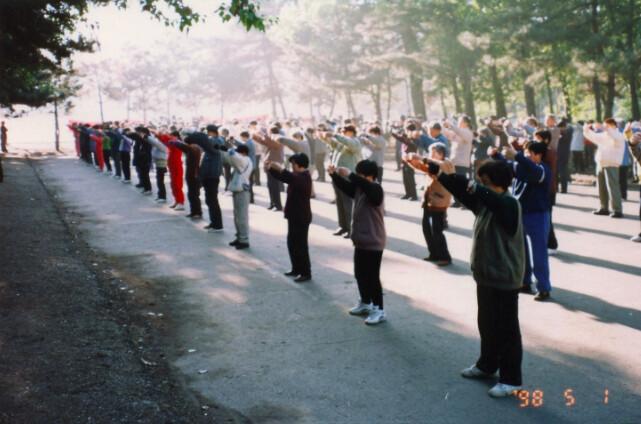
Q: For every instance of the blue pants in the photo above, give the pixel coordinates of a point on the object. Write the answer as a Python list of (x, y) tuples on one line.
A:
[(537, 229)]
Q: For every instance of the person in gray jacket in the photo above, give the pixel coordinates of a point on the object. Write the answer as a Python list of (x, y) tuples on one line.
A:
[(368, 234), (159, 153)]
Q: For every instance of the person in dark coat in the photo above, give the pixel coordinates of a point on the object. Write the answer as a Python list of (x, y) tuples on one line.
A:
[(298, 212)]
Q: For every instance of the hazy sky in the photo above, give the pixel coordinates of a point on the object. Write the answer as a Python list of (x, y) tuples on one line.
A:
[(119, 31)]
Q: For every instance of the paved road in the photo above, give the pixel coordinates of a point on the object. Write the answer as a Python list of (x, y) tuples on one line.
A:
[(281, 352)]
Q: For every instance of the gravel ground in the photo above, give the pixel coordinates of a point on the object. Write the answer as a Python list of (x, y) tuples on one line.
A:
[(79, 342)]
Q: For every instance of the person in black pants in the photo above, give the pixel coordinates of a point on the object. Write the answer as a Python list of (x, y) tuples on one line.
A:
[(368, 235), (498, 267), (298, 212), (142, 160), (210, 172)]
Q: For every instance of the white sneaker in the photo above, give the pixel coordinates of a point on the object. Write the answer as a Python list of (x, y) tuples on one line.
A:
[(474, 372), (179, 207), (215, 230), (636, 238), (552, 252), (147, 192), (361, 308), (503, 390), (161, 200), (376, 316), (126, 181)]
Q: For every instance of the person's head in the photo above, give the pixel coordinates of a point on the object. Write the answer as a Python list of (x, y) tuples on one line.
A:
[(496, 175), (349, 131), (543, 136), (536, 151), (224, 132), (367, 169), (299, 161), (243, 150), (438, 151), (212, 130), (435, 129), (610, 123), (244, 136), (375, 131), (464, 122), (550, 121), (144, 132), (298, 136), (2, 123), (176, 134), (532, 122), (274, 130)]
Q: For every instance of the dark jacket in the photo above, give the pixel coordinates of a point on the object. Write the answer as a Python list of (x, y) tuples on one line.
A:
[(498, 252), (116, 139), (531, 185), (299, 192), (142, 151), (193, 153), (368, 224), (211, 165)]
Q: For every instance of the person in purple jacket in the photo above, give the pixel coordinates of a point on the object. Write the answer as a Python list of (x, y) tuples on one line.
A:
[(298, 212)]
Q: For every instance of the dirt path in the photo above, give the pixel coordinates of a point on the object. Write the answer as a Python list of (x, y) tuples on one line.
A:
[(78, 342)]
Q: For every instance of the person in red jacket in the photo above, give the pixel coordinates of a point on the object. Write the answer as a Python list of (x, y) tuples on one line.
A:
[(96, 136), (176, 174)]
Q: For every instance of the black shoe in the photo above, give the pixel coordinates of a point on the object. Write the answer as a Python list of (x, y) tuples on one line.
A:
[(278, 210), (241, 245), (405, 197), (292, 274), (347, 235), (332, 202), (414, 199), (616, 215), (207, 227), (542, 296), (197, 216), (233, 243), (429, 259), (270, 207), (601, 212), (138, 186), (302, 278), (527, 290), (339, 232)]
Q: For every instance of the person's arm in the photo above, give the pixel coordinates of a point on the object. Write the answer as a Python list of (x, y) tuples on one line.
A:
[(343, 185), (458, 185), (292, 144), (351, 144), (157, 143), (418, 164), (600, 139), (179, 145), (373, 191), (527, 170), (266, 141), (377, 143), (282, 175)]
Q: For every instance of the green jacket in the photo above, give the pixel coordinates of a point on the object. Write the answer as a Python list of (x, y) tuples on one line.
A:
[(498, 243), (347, 152), (106, 143)]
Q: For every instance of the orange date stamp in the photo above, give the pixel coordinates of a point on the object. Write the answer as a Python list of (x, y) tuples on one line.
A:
[(536, 398)]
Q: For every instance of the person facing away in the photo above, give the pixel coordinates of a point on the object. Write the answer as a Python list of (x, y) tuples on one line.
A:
[(375, 141), (368, 235), (531, 187), (241, 171), (298, 212), (498, 265), (4, 138), (211, 168)]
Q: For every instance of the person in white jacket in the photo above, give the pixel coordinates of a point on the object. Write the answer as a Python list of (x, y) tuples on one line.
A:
[(242, 169), (159, 153), (461, 140), (608, 157)]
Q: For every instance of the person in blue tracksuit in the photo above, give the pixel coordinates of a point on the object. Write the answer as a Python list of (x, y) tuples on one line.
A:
[(531, 186)]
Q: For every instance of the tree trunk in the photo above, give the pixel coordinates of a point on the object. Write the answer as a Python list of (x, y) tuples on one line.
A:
[(351, 110), (530, 99), (410, 109), (548, 89), (375, 93), (443, 107), (468, 96), (567, 99), (499, 97), (56, 125), (410, 44), (610, 95), (596, 89), (633, 73), (281, 103), (332, 105), (457, 96), (389, 94)]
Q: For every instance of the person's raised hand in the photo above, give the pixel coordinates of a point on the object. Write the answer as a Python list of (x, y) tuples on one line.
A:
[(447, 167), (331, 169), (343, 172)]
